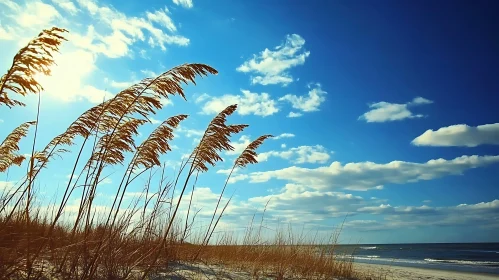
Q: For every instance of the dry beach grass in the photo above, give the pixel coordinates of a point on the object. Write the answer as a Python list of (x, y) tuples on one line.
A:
[(145, 239)]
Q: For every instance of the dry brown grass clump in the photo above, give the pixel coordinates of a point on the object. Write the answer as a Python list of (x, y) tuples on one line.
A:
[(281, 256)]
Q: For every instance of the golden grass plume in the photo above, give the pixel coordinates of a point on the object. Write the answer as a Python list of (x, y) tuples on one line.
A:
[(157, 143), (10, 146), (144, 98), (249, 155), (112, 146), (35, 57), (215, 139)]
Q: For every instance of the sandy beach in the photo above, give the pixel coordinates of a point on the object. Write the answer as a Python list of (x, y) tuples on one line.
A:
[(368, 271), (410, 273)]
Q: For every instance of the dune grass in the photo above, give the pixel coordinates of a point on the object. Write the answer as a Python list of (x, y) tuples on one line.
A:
[(129, 240)]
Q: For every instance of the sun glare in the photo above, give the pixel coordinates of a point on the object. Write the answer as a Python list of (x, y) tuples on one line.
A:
[(69, 76)]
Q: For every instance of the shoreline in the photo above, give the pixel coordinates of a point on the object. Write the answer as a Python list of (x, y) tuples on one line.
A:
[(394, 272)]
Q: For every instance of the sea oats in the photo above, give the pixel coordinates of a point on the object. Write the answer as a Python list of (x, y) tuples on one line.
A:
[(214, 140), (35, 57), (249, 155), (156, 144), (10, 146)]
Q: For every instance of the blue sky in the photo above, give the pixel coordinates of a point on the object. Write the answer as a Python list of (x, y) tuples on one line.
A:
[(385, 111)]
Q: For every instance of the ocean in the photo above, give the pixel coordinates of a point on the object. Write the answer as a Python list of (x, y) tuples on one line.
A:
[(467, 257)]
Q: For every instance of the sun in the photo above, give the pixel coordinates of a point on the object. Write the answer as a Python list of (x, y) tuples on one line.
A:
[(68, 79)]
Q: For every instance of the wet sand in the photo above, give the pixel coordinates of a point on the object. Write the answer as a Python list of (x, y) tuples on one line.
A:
[(377, 271)]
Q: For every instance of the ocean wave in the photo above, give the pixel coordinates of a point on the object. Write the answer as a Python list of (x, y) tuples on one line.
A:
[(369, 248), (387, 260), (378, 258), (464, 262), (481, 251), (425, 261), (366, 257)]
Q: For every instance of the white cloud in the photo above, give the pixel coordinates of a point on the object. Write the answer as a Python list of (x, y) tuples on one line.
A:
[(154, 121), (201, 98), (149, 73), (364, 225), (299, 155), (237, 177), (165, 102), (66, 5), (301, 203), (249, 103), (479, 214), (143, 54), (272, 67), (420, 101), (460, 135), (387, 208), (36, 13), (226, 171), (25, 22), (184, 3), (11, 5), (124, 30), (204, 201), (363, 176), (89, 93), (162, 18), (121, 85), (284, 135), (1, 121), (296, 203), (308, 103), (190, 132), (294, 115), (385, 111), (239, 145), (6, 34)]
